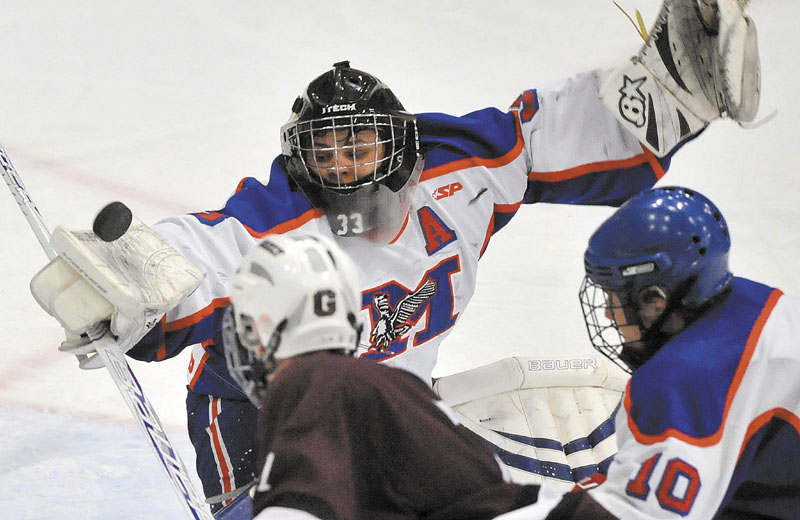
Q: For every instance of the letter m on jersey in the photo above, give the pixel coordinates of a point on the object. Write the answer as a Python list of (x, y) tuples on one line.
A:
[(395, 311)]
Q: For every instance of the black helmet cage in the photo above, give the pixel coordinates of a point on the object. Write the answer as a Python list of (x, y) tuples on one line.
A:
[(604, 331), (393, 146), (604, 334)]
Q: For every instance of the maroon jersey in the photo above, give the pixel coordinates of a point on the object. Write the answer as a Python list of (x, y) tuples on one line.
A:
[(346, 438)]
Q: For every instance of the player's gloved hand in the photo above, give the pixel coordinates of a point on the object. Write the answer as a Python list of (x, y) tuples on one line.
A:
[(126, 331), (699, 62), (81, 345), (124, 285)]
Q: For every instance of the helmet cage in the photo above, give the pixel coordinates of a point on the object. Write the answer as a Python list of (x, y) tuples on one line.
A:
[(390, 138), (376, 205), (249, 362), (598, 312), (605, 331), (354, 151)]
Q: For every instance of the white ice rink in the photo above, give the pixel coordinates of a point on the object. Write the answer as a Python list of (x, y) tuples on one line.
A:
[(167, 104)]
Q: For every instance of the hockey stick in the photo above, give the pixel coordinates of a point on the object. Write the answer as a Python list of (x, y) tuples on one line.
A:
[(113, 359)]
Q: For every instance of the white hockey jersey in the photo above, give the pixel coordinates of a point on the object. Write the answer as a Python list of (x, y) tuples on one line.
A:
[(557, 145), (710, 425), (712, 428)]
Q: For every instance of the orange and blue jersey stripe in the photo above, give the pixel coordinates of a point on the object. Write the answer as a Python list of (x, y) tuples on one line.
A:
[(654, 399), (264, 209)]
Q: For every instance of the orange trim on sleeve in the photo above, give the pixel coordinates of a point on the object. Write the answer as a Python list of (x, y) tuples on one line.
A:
[(507, 208), (653, 160), (288, 225), (199, 370), (498, 208), (760, 421), (161, 352), (710, 440), (241, 183), (563, 175), (470, 162), (198, 316), (209, 215)]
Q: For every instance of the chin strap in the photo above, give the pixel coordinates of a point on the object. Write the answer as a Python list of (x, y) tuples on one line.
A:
[(654, 337), (272, 346)]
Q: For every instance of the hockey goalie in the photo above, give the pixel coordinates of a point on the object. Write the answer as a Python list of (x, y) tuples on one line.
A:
[(413, 200)]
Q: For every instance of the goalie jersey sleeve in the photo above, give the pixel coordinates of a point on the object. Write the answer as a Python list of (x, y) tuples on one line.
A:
[(554, 145), (712, 428), (345, 438)]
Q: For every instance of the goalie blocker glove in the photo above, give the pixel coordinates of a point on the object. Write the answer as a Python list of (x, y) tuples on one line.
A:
[(700, 62), (126, 285)]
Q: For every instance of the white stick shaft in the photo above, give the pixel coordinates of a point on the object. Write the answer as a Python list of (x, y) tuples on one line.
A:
[(26, 203), (145, 415), (114, 360)]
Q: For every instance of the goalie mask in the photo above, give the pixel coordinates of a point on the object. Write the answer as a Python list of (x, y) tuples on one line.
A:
[(664, 250), (351, 147), (290, 296)]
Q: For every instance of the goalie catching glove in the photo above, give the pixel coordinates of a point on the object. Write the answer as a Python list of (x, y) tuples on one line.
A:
[(125, 285), (700, 62)]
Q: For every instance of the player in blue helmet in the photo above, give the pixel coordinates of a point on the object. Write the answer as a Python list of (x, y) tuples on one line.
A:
[(650, 269), (709, 425)]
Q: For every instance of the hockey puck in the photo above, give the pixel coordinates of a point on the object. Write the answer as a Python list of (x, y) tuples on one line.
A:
[(112, 222)]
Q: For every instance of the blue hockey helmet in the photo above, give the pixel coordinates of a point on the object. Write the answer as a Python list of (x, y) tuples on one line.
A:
[(670, 241)]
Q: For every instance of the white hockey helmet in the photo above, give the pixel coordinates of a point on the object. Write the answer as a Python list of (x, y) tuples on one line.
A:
[(289, 296)]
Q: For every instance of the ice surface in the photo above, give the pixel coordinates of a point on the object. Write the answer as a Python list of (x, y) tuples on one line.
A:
[(167, 104)]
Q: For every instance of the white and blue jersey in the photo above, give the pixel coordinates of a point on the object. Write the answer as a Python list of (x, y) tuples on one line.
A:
[(712, 428), (557, 145)]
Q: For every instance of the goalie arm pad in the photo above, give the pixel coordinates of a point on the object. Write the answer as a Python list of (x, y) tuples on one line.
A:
[(548, 419), (132, 281)]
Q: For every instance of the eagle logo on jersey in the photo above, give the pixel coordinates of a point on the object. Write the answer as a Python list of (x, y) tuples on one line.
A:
[(393, 323)]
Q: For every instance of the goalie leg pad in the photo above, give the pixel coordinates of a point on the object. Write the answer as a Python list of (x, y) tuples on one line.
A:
[(700, 62), (548, 419)]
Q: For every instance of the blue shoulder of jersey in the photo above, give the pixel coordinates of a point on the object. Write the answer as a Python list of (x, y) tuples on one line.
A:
[(484, 134), (686, 386), (261, 207)]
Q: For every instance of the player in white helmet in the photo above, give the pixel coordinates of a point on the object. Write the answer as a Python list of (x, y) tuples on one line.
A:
[(338, 436), (290, 296)]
